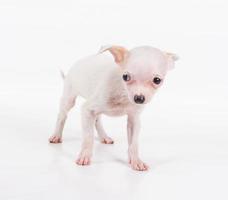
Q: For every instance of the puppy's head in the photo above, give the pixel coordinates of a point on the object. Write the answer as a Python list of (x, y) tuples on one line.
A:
[(143, 70)]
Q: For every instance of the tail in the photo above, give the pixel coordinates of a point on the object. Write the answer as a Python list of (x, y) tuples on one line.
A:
[(62, 74)]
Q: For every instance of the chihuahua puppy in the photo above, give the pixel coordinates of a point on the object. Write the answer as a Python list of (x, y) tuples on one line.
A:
[(115, 85)]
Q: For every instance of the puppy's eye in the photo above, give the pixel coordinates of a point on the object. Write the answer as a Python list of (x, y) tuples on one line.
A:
[(126, 77), (157, 80)]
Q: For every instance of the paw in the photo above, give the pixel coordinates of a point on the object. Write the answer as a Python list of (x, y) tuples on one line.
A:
[(84, 158), (138, 165), (107, 140), (55, 139)]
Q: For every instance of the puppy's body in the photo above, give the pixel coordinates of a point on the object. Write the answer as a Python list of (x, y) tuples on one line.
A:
[(99, 79)]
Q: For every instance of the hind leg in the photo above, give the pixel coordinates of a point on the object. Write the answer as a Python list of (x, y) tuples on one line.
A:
[(67, 102), (104, 138)]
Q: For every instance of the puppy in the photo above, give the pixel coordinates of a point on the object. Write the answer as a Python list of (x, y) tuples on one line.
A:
[(115, 85)]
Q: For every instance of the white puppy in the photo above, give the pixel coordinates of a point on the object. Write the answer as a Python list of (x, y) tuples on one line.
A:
[(115, 87)]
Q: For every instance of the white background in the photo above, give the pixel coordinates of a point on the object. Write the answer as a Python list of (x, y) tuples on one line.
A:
[(184, 135)]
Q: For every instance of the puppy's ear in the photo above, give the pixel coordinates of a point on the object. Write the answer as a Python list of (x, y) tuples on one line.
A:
[(119, 53), (171, 58)]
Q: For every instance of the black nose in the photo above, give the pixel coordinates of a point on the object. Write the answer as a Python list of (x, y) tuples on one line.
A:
[(139, 99)]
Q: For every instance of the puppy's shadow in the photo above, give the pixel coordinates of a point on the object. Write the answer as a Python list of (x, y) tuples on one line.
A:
[(70, 139), (158, 162)]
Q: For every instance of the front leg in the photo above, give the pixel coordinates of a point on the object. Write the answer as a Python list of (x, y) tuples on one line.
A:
[(133, 127), (88, 122)]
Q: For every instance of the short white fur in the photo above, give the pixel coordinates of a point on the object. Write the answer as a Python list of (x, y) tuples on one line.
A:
[(98, 78)]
